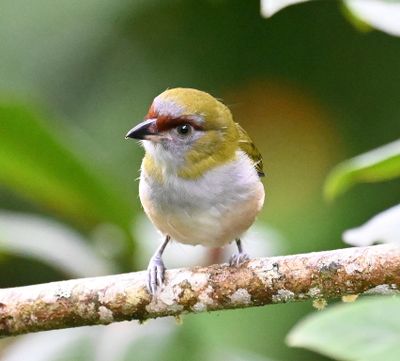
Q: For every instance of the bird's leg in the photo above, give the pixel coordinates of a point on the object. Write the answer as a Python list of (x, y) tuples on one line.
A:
[(240, 257), (156, 268)]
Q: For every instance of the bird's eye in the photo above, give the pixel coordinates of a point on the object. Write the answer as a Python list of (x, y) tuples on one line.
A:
[(183, 129)]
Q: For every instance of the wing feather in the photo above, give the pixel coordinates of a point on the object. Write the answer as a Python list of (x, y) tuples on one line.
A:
[(247, 146)]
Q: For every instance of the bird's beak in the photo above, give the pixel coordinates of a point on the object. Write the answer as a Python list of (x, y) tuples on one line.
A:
[(146, 130)]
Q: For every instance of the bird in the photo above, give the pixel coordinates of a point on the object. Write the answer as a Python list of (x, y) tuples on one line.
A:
[(200, 177)]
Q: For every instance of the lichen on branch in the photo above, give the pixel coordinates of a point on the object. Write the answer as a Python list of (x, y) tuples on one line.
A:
[(261, 281)]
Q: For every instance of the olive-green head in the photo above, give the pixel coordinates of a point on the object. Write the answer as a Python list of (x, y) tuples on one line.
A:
[(187, 132)]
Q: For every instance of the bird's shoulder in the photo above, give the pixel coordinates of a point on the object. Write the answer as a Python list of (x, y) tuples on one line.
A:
[(247, 146)]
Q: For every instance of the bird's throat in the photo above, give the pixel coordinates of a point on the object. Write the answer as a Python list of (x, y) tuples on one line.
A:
[(208, 152)]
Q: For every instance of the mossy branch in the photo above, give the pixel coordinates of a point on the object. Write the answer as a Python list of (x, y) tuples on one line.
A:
[(262, 281)]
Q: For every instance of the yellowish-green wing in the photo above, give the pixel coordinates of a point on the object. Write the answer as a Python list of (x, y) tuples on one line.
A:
[(247, 146)]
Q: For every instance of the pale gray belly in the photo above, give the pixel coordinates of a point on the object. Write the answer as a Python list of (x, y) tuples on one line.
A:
[(211, 211)]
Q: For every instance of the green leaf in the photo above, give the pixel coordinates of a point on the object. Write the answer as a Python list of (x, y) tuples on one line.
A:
[(36, 161), (271, 7), (382, 228), (367, 330), (46, 240), (377, 165), (383, 15)]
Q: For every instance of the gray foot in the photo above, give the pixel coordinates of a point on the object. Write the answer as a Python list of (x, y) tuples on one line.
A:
[(238, 258), (155, 276)]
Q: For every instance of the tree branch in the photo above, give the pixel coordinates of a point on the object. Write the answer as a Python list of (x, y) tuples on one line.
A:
[(102, 300)]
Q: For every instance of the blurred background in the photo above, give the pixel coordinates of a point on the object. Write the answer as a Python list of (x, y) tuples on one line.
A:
[(312, 85)]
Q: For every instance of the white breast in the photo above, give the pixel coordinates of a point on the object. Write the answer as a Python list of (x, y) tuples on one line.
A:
[(212, 210)]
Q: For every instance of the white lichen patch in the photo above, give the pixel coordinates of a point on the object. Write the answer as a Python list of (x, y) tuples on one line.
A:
[(205, 297), (301, 296), (108, 295), (105, 315), (179, 277), (199, 307), (384, 289), (314, 292), (86, 310), (241, 296), (194, 280), (161, 308), (181, 285), (63, 292), (283, 295), (353, 267), (320, 303), (199, 280), (167, 296), (59, 292), (205, 300), (266, 271), (165, 300)]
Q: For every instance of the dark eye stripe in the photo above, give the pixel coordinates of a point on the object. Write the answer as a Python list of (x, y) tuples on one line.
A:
[(167, 123)]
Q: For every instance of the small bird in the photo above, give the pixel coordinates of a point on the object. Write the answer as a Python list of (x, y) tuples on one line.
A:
[(200, 176)]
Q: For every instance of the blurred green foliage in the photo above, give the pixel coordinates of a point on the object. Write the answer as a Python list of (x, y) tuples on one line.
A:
[(377, 165), (310, 88), (35, 162), (367, 330)]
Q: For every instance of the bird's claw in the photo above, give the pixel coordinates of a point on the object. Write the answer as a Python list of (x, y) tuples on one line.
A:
[(238, 258), (155, 276)]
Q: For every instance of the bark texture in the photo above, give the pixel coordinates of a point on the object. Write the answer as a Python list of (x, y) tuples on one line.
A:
[(262, 281)]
